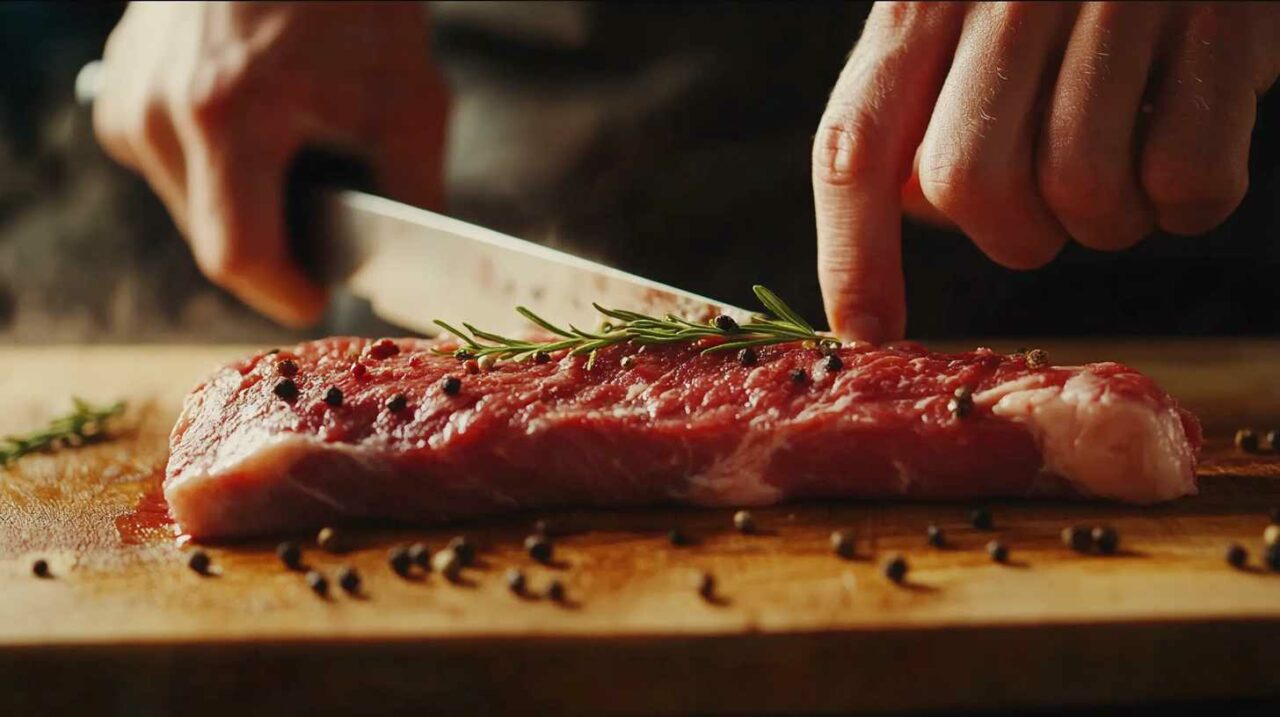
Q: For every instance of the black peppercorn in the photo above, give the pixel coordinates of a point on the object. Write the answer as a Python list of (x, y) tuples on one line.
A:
[(399, 560), (448, 563), (1037, 358), (349, 579), (451, 385), (1237, 556), (287, 368), (744, 522), (555, 591), (1273, 440), (1273, 557), (706, 585), (832, 363), (329, 540), (1078, 538), (895, 568), (541, 357), (935, 537), (462, 354), (286, 389), (290, 554), (1247, 440), (627, 363), (538, 548), (397, 403), (333, 396), (725, 322), (677, 538), (747, 356), (1105, 539), (40, 568), (516, 582), (998, 551), (199, 562), (419, 555), (961, 403), (318, 584), (799, 376), (465, 549), (981, 519), (842, 544)]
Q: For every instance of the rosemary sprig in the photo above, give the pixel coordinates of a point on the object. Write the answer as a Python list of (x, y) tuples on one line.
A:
[(780, 325), (85, 422)]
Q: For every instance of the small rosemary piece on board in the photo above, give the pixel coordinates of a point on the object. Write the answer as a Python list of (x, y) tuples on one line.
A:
[(84, 423), (780, 325)]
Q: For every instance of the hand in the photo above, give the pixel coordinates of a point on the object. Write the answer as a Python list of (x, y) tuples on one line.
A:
[(1028, 124), (210, 102)]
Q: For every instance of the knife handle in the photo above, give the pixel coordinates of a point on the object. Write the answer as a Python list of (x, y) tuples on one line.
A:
[(314, 169)]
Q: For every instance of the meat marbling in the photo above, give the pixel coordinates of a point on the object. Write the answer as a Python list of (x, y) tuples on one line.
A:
[(674, 426)]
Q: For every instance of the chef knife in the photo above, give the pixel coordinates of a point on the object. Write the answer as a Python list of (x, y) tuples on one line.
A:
[(414, 265)]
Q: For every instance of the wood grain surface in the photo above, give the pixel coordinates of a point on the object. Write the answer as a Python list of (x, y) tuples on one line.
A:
[(123, 624)]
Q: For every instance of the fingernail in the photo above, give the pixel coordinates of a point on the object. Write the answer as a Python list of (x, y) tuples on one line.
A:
[(862, 327)]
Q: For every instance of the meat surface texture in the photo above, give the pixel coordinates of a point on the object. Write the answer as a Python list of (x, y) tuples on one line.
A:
[(669, 425)]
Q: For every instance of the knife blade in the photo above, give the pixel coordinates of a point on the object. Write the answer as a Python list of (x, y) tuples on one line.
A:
[(415, 265)]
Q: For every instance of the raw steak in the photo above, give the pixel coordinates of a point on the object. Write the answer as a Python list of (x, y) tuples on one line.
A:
[(675, 425)]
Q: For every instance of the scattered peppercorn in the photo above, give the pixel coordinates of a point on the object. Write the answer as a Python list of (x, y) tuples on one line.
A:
[(981, 519), (516, 582), (627, 363), (677, 538), (538, 548), (358, 370), (935, 537), (383, 348), (285, 388), (448, 563), (799, 376), (842, 543), (465, 549), (1273, 440), (199, 561), (40, 568), (399, 560), (541, 357), (832, 363), (329, 540), (961, 403), (744, 522), (1273, 557), (287, 368), (290, 554), (1078, 538), (555, 591), (725, 322), (1237, 556), (349, 579), (486, 362), (318, 584), (706, 585), (333, 396), (747, 356), (419, 555), (828, 347), (998, 551), (462, 354), (895, 568), (397, 403), (1105, 539), (1271, 534), (1037, 358), (451, 385), (1247, 440)]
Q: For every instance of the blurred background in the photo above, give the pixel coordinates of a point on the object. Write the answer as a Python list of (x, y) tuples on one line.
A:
[(602, 130)]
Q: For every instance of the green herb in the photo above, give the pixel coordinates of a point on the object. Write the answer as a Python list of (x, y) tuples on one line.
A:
[(84, 423), (781, 325)]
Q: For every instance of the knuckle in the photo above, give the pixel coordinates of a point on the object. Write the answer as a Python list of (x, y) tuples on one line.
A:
[(956, 183), (1081, 185), (842, 150), (1191, 197)]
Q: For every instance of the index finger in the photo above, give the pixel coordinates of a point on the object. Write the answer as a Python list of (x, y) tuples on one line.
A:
[(862, 155)]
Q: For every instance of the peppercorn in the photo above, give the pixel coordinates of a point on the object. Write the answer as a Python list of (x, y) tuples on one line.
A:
[(1078, 538), (333, 396), (935, 537), (961, 403), (1273, 557), (1271, 534), (199, 561), (1106, 539), (399, 560), (828, 347), (895, 568), (329, 540), (998, 551), (541, 357), (451, 385), (1237, 556), (842, 543), (832, 363), (725, 322), (981, 519), (627, 363), (747, 357), (516, 582), (799, 376), (538, 548), (358, 370), (462, 354), (397, 403), (465, 549), (286, 389), (448, 563), (555, 591), (419, 555), (677, 538), (290, 554), (318, 584), (383, 348), (40, 568), (1272, 440), (486, 362), (287, 368), (706, 585), (744, 522), (1037, 358), (1247, 440), (349, 579)]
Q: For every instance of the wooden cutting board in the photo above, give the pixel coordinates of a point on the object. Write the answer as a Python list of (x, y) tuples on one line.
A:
[(124, 626)]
